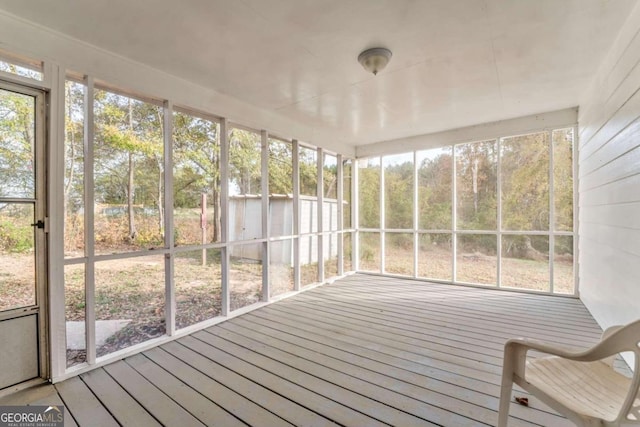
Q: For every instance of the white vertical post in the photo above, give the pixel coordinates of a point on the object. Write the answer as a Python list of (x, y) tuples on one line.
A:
[(355, 216), (89, 231), (382, 218), (265, 214), (320, 202), (56, 166), (224, 214), (339, 196), (552, 214), (576, 210), (416, 221), (454, 214), (169, 241), (50, 74), (295, 154), (499, 213), (354, 213)]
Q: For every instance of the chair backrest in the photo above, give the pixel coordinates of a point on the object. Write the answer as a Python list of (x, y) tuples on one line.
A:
[(625, 339)]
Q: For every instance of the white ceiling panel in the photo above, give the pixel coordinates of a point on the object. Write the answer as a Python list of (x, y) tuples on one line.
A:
[(455, 63)]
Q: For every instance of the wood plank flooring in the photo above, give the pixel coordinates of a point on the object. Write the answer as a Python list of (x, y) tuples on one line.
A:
[(363, 351)]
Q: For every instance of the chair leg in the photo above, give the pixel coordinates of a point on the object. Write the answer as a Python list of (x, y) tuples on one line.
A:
[(505, 399)]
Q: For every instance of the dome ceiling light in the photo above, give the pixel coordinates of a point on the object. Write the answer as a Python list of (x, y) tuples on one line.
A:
[(375, 59)]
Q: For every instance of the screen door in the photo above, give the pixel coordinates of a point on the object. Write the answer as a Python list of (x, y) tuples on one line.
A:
[(22, 235)]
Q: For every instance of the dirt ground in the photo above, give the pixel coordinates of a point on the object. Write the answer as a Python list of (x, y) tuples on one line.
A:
[(17, 272), (435, 263)]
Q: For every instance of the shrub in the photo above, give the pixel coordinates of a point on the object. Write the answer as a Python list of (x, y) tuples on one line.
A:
[(366, 253), (15, 238)]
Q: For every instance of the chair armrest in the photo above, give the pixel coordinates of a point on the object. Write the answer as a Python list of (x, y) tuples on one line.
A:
[(610, 360), (515, 354), (610, 330), (599, 351), (530, 344)]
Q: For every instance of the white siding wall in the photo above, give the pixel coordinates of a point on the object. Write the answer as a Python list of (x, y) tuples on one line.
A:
[(609, 187)]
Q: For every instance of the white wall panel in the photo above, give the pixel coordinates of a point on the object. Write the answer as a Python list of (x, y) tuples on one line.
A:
[(609, 188), (613, 170), (621, 238), (624, 215), (621, 144), (612, 294), (617, 120), (626, 190), (611, 88)]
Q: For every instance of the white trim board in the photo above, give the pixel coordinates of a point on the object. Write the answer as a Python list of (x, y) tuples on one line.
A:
[(518, 126)]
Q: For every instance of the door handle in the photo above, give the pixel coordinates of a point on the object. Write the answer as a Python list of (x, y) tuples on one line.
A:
[(39, 224)]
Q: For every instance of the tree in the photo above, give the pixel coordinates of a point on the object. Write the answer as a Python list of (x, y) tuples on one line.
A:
[(17, 178), (17, 128), (476, 169), (74, 164), (280, 167), (369, 193), (525, 193), (245, 165), (434, 189), (563, 180), (398, 187), (128, 134), (525, 182), (330, 177), (308, 166), (197, 164)]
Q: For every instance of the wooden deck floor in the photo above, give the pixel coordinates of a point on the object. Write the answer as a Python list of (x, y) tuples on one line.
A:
[(364, 351)]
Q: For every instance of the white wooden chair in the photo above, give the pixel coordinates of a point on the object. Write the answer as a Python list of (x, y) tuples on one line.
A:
[(580, 385)]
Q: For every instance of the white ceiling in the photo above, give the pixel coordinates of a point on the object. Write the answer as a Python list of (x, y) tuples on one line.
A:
[(455, 62)]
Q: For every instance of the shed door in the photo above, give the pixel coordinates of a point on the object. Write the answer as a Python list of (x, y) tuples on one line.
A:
[(22, 235)]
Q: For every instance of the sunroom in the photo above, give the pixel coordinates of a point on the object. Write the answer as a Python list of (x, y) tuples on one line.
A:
[(212, 214)]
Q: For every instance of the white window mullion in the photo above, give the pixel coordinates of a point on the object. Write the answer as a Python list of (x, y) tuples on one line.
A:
[(340, 209), (320, 202), (416, 236), (169, 240), (499, 214), (224, 214), (56, 164), (265, 214), (295, 153), (552, 215), (89, 272), (576, 211), (355, 216), (382, 219), (49, 76), (454, 214)]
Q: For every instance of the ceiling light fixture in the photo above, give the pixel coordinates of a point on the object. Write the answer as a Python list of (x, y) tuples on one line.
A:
[(375, 59)]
